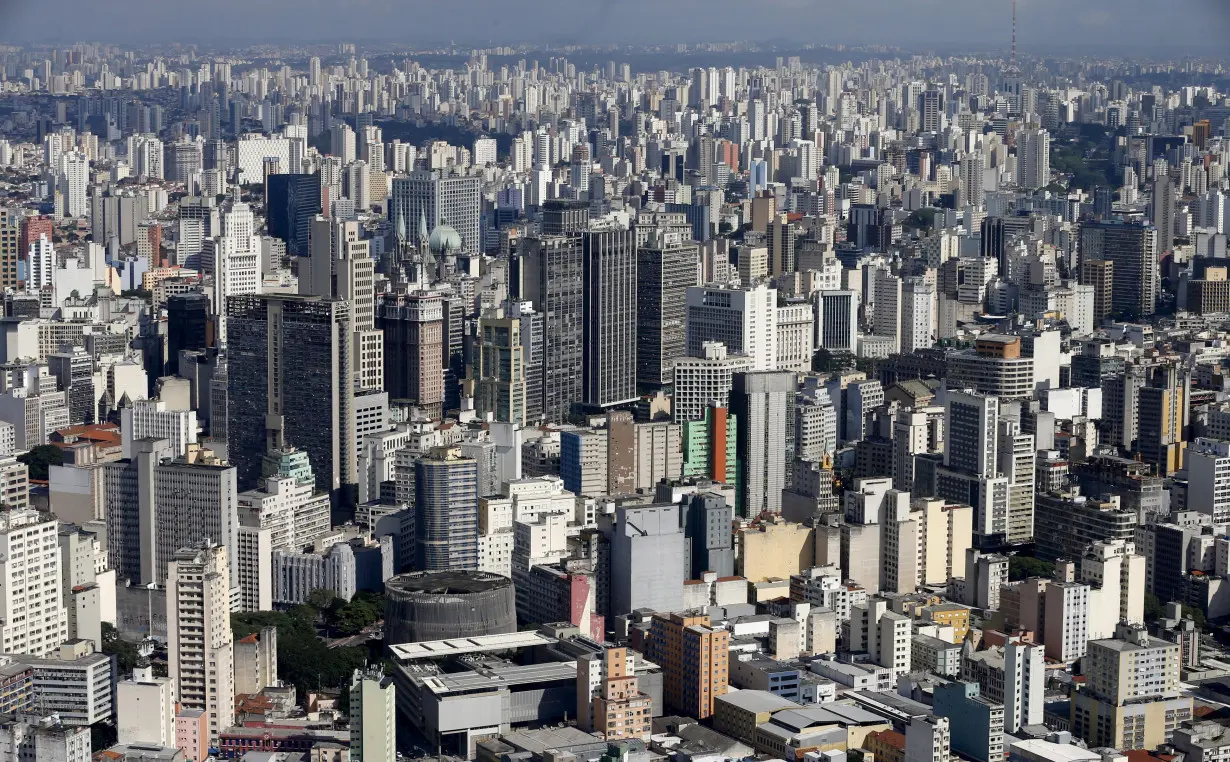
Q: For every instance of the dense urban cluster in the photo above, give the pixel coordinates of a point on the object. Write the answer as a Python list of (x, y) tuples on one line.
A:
[(523, 405)]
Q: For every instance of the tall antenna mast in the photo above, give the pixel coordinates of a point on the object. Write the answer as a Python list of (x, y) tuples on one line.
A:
[(1014, 34)]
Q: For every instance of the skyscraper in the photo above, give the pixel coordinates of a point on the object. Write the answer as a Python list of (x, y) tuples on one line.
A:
[(762, 404), (445, 511), (1133, 251), (745, 320), (552, 277), (373, 716), (199, 639), (695, 660), (439, 196), (413, 326), (1034, 159), (294, 201), (33, 619), (499, 367), (665, 268), (189, 326), (610, 317), (1163, 214), (289, 384)]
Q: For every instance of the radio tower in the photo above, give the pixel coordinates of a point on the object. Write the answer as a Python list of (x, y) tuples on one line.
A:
[(1012, 75)]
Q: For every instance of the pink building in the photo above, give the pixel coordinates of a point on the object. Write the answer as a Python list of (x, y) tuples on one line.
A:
[(192, 734)]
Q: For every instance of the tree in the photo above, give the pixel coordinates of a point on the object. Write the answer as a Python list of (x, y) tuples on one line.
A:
[(1154, 609), (304, 660), (1024, 567), (126, 653), (39, 459)]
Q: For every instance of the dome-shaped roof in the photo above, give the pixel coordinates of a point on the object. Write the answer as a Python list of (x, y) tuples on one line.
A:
[(444, 240)]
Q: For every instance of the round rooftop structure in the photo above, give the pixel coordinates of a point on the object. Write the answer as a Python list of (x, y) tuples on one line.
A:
[(444, 240), (424, 606)]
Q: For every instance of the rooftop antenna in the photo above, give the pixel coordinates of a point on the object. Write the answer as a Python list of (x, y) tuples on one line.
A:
[(1014, 34)]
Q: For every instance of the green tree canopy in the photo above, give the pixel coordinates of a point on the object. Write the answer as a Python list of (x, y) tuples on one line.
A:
[(39, 459), (1024, 567)]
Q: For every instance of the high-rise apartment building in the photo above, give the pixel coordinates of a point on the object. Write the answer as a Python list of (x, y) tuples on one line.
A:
[(1034, 159), (199, 639), (695, 660), (1208, 478), (33, 619), (609, 699), (1131, 697), (445, 511), (373, 716)]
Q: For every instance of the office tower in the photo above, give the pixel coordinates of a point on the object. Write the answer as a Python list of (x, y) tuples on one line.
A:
[(995, 366), (930, 108), (710, 446), (1133, 251), (694, 658), (917, 314), (704, 379), (413, 326), (887, 316), (1208, 478), (972, 171), (552, 277), (440, 197), (601, 462), (373, 716), (294, 201), (1163, 413), (781, 245), (499, 367), (609, 318), (342, 142), (199, 639), (189, 326), (1034, 159), (745, 320), (665, 267), (1163, 207), (445, 511), (762, 404), (181, 160), (289, 384), (35, 621), (609, 699), (837, 320), (562, 216), (341, 267), (1131, 698), (994, 241), (11, 249), (73, 368), (145, 709)]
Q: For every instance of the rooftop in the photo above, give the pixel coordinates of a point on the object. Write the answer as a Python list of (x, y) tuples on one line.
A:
[(439, 649)]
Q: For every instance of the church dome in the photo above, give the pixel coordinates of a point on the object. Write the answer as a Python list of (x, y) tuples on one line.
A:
[(444, 240)]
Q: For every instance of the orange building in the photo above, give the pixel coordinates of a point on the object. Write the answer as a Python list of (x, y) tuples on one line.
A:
[(609, 699), (695, 661)]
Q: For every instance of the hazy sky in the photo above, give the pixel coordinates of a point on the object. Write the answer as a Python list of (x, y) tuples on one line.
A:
[(984, 23)]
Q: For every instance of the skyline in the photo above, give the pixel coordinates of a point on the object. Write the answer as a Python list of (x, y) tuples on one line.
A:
[(911, 24)]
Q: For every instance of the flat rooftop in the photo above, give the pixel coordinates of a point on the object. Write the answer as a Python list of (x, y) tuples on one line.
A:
[(440, 649), (500, 677)]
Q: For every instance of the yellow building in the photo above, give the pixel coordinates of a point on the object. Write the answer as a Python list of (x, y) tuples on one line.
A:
[(952, 615), (775, 549)]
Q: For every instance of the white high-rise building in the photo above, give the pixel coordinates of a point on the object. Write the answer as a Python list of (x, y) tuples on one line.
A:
[(704, 379), (1208, 479), (744, 319), (145, 709), (199, 639), (74, 179), (42, 264), (1116, 578), (917, 314), (32, 610), (1034, 159), (151, 418), (373, 716)]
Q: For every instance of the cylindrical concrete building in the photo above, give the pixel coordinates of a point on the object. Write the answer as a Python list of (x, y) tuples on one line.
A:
[(422, 606)]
